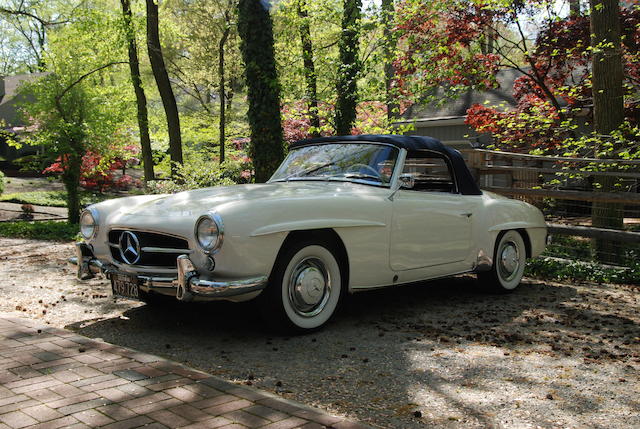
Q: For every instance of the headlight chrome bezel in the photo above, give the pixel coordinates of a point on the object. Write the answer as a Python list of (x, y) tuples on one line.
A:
[(217, 244), (93, 213)]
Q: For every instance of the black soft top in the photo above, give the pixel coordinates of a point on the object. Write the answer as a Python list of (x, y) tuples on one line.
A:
[(466, 183)]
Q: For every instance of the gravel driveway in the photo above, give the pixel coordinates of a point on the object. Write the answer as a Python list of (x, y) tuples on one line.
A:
[(439, 353)]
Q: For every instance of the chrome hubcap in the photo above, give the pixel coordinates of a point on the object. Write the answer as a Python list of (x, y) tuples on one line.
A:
[(509, 260), (309, 287)]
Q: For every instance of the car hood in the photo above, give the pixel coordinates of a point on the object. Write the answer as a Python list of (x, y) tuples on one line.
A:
[(199, 201)]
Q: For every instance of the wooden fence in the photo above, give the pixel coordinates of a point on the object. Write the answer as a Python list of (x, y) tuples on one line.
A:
[(540, 179)]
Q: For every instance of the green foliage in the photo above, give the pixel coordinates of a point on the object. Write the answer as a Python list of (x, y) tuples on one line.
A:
[(81, 105), (580, 249), (51, 198), (554, 269), (622, 143), (38, 198), (47, 230), (1, 182), (324, 22), (192, 32), (200, 172)]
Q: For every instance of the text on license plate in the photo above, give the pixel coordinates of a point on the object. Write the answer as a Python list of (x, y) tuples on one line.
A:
[(124, 285)]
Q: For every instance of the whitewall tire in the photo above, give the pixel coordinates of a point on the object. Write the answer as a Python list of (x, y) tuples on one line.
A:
[(305, 287), (509, 259)]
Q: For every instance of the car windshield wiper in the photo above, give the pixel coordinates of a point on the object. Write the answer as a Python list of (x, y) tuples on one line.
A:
[(307, 172), (362, 176)]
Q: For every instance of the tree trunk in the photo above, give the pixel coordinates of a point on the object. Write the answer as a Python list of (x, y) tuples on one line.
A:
[(221, 86), (141, 99), (347, 87), (164, 86), (263, 89), (71, 181), (608, 109), (574, 8), (309, 67), (389, 48)]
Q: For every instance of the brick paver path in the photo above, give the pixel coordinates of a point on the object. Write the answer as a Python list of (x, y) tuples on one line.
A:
[(52, 378)]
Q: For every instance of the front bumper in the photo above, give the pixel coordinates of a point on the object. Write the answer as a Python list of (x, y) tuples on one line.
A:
[(186, 286)]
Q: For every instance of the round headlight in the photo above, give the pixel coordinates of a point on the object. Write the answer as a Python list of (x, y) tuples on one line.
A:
[(88, 224), (209, 232)]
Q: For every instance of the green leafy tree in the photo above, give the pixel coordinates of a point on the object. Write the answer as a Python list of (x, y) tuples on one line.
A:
[(161, 76), (210, 77), (31, 21), (79, 106), (136, 81), (263, 88), (306, 47)]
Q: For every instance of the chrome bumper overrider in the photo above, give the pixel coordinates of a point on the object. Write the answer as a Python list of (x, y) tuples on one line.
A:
[(187, 285)]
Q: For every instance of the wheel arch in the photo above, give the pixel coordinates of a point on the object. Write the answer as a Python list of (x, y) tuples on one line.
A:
[(321, 234), (523, 233), (527, 240)]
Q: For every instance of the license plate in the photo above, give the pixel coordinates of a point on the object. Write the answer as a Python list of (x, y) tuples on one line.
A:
[(124, 285)]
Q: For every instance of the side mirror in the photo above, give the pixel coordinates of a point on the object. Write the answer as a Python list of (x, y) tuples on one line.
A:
[(407, 181)]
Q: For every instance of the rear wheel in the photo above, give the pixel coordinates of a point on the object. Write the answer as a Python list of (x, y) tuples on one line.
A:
[(305, 287), (509, 258)]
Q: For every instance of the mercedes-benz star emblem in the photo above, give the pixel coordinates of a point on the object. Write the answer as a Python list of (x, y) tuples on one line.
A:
[(129, 247)]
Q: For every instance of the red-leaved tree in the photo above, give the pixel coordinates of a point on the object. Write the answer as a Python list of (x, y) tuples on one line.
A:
[(99, 172), (458, 45)]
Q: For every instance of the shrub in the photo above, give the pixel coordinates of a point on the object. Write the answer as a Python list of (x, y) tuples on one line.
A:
[(1, 182), (557, 269), (97, 170), (203, 173), (47, 230)]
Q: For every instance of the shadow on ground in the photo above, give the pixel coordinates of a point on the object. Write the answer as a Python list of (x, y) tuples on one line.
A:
[(439, 353)]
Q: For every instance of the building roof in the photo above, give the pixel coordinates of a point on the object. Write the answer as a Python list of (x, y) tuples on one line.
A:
[(8, 91), (457, 107)]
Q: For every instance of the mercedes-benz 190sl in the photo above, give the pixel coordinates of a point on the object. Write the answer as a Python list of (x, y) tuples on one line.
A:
[(340, 215)]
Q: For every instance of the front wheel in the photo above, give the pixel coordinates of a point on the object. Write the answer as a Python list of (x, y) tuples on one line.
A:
[(509, 259), (305, 287)]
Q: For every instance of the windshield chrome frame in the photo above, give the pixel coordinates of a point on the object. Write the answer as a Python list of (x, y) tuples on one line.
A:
[(401, 156)]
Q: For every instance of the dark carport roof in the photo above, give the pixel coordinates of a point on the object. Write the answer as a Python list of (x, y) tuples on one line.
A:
[(466, 183)]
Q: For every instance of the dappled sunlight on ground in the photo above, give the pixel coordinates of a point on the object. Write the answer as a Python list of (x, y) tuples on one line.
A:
[(439, 353)]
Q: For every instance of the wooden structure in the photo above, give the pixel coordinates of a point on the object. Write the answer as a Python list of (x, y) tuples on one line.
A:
[(528, 177)]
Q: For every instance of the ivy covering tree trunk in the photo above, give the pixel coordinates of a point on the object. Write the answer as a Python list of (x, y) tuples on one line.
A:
[(309, 67), (263, 89), (388, 10), (349, 68), (164, 85), (608, 109), (141, 99)]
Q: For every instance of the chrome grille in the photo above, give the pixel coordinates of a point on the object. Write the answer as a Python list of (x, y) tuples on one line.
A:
[(155, 249)]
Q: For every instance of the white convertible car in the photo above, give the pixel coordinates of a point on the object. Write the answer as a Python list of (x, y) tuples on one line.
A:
[(340, 215)]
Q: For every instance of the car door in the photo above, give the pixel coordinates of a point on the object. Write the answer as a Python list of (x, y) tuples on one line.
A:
[(431, 222)]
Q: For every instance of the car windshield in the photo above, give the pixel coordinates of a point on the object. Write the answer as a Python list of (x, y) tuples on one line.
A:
[(362, 163)]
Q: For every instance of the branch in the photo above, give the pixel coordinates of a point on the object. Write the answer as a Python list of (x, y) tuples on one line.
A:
[(43, 22), (329, 45), (80, 79)]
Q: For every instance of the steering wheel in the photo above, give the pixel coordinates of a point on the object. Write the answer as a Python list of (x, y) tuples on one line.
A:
[(355, 168)]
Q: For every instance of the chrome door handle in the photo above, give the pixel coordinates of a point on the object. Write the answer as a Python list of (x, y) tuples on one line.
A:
[(466, 214)]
